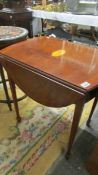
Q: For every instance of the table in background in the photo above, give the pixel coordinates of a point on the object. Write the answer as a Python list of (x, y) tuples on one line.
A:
[(70, 18), (9, 35), (87, 20)]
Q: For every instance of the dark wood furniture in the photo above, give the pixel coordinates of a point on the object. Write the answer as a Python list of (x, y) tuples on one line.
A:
[(92, 163), (55, 73), (9, 35), (16, 13), (16, 4), (1, 6)]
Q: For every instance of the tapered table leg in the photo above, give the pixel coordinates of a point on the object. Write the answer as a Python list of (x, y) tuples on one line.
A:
[(92, 111), (13, 90), (5, 87), (75, 124)]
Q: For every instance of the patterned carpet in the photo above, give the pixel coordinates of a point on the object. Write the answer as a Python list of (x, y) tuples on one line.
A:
[(31, 147)]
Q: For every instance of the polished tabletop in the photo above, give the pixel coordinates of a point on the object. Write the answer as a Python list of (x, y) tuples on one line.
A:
[(70, 63)]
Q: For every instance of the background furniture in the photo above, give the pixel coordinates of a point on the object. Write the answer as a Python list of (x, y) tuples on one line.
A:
[(92, 163), (74, 19), (16, 4), (63, 73), (9, 35), (79, 19), (16, 13)]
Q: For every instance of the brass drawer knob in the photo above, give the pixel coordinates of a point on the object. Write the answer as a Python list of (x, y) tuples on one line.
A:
[(10, 16)]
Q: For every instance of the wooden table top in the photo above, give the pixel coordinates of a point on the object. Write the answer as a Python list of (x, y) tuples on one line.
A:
[(72, 64)]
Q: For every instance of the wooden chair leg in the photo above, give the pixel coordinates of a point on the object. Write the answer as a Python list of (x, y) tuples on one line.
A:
[(5, 87), (92, 111), (75, 124), (13, 90)]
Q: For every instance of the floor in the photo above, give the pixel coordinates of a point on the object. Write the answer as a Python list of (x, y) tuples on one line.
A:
[(76, 165)]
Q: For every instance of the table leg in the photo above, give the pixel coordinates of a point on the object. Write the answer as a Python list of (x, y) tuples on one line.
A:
[(13, 90), (92, 111), (5, 87), (75, 123)]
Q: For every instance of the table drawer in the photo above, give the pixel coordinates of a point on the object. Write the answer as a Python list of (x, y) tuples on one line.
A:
[(16, 16)]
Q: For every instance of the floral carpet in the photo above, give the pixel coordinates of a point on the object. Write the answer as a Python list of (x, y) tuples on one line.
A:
[(31, 147)]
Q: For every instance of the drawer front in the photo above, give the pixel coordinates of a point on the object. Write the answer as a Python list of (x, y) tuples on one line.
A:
[(6, 16), (23, 16), (16, 16)]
